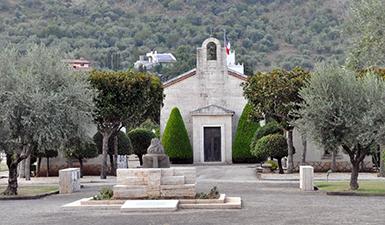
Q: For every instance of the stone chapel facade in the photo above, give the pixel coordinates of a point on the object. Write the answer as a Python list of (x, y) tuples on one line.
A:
[(210, 99)]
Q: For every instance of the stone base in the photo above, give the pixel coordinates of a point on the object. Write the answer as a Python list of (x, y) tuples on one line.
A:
[(155, 183), (156, 161), (149, 206), (69, 180)]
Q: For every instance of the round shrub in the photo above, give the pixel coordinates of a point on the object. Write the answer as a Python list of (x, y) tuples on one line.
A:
[(270, 128), (140, 140), (273, 145), (175, 139), (243, 137)]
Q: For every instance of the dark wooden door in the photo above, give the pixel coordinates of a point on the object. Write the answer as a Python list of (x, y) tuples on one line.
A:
[(212, 144)]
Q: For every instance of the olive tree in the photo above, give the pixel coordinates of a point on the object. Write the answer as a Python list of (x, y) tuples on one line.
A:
[(341, 110), (42, 104), (274, 95), (124, 99)]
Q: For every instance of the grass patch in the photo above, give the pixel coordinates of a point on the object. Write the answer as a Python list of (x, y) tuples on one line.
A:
[(3, 167), (373, 187), (27, 191)]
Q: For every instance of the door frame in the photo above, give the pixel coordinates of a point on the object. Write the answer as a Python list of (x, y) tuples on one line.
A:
[(202, 153)]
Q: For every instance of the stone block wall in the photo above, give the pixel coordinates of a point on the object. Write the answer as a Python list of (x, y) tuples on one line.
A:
[(140, 183)]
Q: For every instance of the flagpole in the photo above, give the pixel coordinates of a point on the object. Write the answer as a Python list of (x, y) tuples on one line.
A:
[(224, 38)]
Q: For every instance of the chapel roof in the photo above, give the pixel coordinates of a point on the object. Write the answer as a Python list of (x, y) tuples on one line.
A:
[(193, 72)]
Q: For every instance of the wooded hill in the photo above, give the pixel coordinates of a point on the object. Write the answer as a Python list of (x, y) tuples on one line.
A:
[(113, 33)]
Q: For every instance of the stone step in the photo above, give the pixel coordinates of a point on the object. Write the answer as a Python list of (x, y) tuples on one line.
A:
[(177, 191), (131, 180), (172, 180), (230, 203), (150, 206)]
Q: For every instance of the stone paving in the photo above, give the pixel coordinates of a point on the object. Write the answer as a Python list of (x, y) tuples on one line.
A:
[(272, 202)]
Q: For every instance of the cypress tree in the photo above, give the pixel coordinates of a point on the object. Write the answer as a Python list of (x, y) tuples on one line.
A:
[(243, 137), (175, 139)]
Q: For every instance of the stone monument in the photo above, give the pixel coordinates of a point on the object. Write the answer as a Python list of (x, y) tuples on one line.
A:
[(156, 179), (155, 157), (306, 177)]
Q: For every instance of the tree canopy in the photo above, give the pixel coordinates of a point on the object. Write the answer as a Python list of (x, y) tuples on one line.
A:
[(43, 103), (341, 110)]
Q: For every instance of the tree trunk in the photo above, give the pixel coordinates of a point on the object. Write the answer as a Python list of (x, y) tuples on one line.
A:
[(103, 173), (334, 160), (38, 166), (12, 177), (28, 168), (111, 156), (280, 166), (22, 169), (47, 174), (81, 167), (140, 159), (115, 155), (382, 162), (304, 144), (354, 176), (290, 163)]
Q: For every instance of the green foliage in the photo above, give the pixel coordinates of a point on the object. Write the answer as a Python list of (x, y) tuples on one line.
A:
[(274, 164), (80, 149), (365, 28), (341, 110), (152, 126), (243, 137), (141, 140), (274, 94), (305, 31), (273, 145), (271, 127), (212, 194), (124, 144), (43, 104), (104, 194), (175, 139)]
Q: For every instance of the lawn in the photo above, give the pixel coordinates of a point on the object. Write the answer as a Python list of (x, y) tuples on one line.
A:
[(374, 187), (25, 191)]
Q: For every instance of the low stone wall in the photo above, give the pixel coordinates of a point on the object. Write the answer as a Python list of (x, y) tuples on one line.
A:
[(342, 166), (176, 182)]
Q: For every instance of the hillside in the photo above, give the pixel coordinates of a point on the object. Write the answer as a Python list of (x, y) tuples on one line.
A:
[(113, 33)]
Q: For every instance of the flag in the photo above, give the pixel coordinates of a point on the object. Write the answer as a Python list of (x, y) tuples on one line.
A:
[(227, 43)]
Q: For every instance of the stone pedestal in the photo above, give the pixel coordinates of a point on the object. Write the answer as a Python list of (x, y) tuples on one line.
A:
[(69, 180), (156, 161), (133, 161), (155, 183), (306, 177)]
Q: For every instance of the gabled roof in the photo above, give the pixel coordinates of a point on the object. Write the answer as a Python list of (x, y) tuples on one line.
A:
[(212, 110), (193, 72)]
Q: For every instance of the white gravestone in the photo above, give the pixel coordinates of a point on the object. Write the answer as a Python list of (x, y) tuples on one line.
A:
[(306, 177), (69, 180), (133, 161), (122, 162)]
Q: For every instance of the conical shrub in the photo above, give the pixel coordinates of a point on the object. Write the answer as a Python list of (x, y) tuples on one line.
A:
[(175, 139), (243, 137)]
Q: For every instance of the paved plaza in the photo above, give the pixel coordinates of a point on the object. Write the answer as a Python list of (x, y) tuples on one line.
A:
[(264, 202)]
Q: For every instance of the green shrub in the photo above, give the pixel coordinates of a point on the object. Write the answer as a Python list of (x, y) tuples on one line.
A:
[(273, 145), (243, 137), (140, 140), (274, 164), (270, 128), (104, 194), (175, 139)]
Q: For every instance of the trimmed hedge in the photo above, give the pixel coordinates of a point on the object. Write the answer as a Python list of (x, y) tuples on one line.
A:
[(273, 145), (140, 140), (243, 137), (175, 139), (270, 128)]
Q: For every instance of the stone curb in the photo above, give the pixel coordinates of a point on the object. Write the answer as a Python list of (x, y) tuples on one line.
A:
[(3, 198), (342, 193)]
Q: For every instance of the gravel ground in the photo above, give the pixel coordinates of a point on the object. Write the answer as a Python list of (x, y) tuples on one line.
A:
[(263, 203)]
